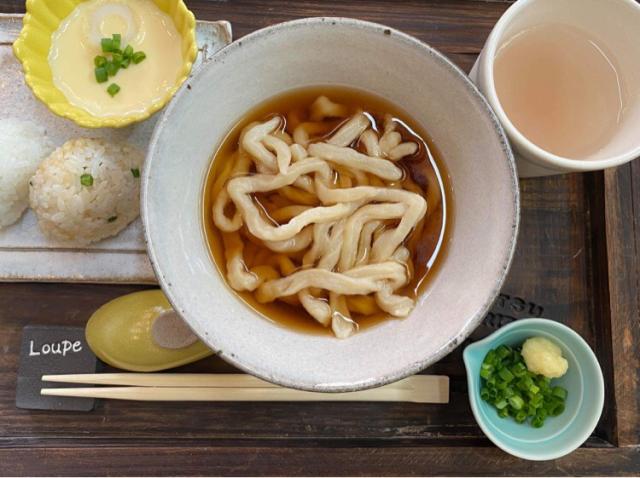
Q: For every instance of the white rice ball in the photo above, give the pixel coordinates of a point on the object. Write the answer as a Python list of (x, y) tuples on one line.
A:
[(86, 190), (23, 145)]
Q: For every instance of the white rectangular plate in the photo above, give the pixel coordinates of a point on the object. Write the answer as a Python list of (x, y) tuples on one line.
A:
[(25, 253)]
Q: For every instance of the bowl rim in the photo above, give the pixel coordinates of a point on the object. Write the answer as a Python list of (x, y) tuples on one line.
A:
[(572, 443), (412, 42)]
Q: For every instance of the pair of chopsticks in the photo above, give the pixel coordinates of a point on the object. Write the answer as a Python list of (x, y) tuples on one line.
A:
[(159, 387)]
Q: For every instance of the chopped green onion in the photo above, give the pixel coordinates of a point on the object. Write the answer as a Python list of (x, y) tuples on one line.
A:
[(113, 89), (115, 42), (101, 74), (516, 402), (484, 391), (121, 57), (86, 180), (116, 58), (112, 218), (514, 391), (521, 416), (107, 45), (557, 409), (517, 357), (559, 392), (138, 57), (490, 358), (503, 352), (500, 404), (536, 400), (135, 172), (543, 382), (506, 375), (112, 68), (519, 369), (537, 422)]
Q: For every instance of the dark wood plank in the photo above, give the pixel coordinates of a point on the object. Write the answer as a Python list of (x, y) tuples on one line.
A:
[(72, 305), (551, 262), (599, 273), (132, 421), (306, 460), (458, 28), (450, 25), (622, 213), (576, 262)]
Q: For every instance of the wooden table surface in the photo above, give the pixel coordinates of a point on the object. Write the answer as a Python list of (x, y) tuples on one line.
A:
[(577, 262)]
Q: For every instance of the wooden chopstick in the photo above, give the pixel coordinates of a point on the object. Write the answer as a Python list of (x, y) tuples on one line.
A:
[(417, 389), (218, 380), (242, 394)]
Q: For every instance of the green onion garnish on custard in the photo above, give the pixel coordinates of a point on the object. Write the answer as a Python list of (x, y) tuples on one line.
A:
[(108, 66), (116, 59), (113, 89), (107, 45), (111, 68), (116, 38), (138, 57), (101, 74)]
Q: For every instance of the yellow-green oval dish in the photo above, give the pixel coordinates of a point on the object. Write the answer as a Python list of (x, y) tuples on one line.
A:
[(121, 334), (42, 19)]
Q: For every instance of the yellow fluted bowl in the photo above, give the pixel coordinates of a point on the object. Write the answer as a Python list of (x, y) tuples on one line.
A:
[(32, 49)]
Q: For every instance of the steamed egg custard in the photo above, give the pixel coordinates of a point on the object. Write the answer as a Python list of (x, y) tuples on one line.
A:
[(140, 27)]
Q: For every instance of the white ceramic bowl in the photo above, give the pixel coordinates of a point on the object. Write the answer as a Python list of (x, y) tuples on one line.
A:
[(390, 64)]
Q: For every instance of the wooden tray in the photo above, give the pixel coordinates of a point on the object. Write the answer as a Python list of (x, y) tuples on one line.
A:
[(25, 253), (577, 262)]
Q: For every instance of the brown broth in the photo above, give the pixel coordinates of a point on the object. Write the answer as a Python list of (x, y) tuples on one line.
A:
[(424, 173)]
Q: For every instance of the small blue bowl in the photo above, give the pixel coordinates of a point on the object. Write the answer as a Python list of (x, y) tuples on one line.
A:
[(562, 434)]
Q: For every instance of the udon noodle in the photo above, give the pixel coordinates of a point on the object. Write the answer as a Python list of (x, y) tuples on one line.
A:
[(316, 208)]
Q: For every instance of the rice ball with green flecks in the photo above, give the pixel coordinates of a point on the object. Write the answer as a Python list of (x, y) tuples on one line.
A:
[(86, 190)]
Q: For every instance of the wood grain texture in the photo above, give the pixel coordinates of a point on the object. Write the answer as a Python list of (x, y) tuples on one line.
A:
[(576, 262), (622, 214), (306, 460), (599, 273)]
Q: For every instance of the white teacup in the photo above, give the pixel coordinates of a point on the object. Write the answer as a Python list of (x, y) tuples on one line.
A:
[(616, 25)]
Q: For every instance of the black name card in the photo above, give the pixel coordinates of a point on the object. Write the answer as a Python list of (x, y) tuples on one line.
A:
[(50, 350)]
